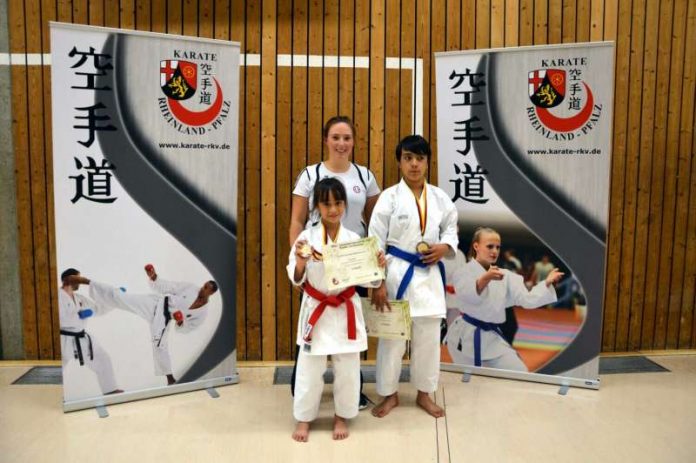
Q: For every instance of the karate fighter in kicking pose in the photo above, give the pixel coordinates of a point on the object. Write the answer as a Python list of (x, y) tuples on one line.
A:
[(75, 342), (484, 291), (184, 303)]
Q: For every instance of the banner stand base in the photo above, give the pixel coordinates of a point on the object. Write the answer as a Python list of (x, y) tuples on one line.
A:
[(564, 388), (102, 401), (212, 392), (564, 381), (101, 411)]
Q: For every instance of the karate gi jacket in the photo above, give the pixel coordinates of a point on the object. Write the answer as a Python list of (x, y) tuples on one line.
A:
[(395, 222), (330, 333), (489, 306)]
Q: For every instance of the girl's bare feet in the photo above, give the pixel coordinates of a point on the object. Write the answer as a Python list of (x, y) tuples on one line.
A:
[(386, 405), (301, 433), (340, 429), (426, 403)]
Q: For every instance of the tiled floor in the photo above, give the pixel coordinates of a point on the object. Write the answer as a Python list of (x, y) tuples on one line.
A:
[(641, 417)]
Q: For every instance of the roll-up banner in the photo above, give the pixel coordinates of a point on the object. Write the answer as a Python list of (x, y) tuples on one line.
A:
[(524, 146), (145, 186)]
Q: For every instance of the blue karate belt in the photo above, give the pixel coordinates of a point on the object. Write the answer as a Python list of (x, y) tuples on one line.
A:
[(415, 261), (485, 326)]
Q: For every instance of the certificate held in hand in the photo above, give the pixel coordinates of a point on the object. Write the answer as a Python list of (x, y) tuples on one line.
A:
[(390, 324), (351, 263)]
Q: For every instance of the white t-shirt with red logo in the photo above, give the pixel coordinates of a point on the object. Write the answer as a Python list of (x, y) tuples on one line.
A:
[(359, 182)]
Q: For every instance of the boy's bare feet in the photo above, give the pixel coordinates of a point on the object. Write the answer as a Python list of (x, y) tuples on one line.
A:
[(426, 403), (340, 429), (386, 405), (301, 433)]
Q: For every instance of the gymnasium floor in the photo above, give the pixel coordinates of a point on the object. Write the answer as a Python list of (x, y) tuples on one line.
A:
[(640, 417)]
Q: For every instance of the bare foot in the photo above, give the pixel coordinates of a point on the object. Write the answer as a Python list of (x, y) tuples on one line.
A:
[(386, 405), (426, 403), (340, 430), (301, 433)]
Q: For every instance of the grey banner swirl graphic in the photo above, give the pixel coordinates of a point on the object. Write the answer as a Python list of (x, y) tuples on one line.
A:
[(562, 226), (195, 223)]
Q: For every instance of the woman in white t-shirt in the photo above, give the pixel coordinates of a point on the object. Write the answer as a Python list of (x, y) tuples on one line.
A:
[(361, 188)]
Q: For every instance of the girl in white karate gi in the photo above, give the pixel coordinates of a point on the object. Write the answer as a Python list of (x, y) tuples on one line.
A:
[(417, 225), (484, 291), (331, 321)]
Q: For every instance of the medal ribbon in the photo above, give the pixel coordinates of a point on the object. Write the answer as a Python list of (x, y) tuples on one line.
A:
[(422, 213), (316, 254)]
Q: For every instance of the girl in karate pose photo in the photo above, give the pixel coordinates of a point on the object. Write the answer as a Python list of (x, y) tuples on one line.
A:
[(331, 321), (484, 291)]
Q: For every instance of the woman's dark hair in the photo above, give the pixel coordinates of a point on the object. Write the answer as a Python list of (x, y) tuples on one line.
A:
[(413, 143), (337, 120), (326, 186)]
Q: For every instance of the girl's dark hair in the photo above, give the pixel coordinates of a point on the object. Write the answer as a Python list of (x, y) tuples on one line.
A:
[(337, 120), (413, 143), (328, 185)]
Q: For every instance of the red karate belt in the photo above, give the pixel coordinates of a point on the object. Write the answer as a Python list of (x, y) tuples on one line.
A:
[(334, 301)]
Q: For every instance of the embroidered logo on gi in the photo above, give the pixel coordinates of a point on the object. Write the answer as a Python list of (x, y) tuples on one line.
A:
[(356, 189)]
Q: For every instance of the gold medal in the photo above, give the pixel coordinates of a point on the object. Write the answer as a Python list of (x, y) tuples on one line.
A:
[(422, 247), (306, 251)]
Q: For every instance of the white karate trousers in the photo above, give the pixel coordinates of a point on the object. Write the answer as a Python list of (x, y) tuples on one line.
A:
[(100, 364), (309, 384), (425, 358), (149, 307), (495, 351)]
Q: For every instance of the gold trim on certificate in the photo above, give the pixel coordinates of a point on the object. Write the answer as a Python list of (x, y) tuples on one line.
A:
[(394, 324), (352, 263)]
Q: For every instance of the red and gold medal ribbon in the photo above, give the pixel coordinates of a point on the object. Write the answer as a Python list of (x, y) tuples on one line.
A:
[(422, 213)]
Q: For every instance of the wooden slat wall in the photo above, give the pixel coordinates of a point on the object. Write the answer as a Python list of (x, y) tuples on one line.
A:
[(651, 257)]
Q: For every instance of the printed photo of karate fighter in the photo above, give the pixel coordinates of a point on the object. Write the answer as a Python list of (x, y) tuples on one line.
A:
[(183, 303), (483, 291), (77, 344)]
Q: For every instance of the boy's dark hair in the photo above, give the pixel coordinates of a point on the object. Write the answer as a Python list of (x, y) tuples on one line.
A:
[(413, 143), (328, 185), (68, 273)]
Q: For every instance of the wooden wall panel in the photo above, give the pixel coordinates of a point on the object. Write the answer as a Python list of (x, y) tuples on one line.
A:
[(285, 181), (651, 256), (664, 47)]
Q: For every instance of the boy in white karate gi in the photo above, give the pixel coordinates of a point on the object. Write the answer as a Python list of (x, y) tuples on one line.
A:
[(75, 342), (484, 291), (184, 303), (331, 321), (416, 223)]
